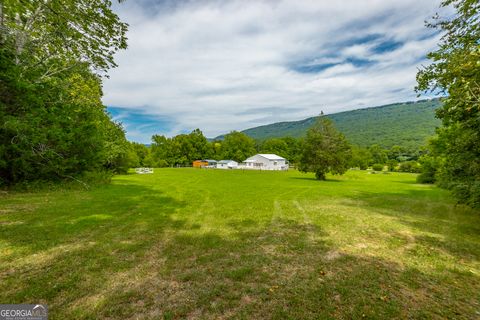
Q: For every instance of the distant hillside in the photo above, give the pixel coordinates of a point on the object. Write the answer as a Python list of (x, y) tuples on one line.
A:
[(406, 124)]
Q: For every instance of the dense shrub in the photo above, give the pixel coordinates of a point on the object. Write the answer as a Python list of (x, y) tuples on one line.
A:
[(429, 167), (161, 164), (392, 165), (426, 177), (468, 192), (377, 167), (409, 166), (361, 158)]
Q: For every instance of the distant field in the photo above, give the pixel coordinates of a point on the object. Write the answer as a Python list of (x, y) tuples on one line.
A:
[(209, 244)]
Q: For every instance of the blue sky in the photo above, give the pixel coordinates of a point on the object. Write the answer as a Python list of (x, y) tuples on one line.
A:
[(230, 65), (141, 126)]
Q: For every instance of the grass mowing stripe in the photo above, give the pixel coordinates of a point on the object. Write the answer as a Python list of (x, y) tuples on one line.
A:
[(187, 243)]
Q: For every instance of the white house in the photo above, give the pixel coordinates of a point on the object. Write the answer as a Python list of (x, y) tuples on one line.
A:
[(265, 162), (227, 164)]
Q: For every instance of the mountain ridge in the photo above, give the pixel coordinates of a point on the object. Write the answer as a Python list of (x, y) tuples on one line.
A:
[(408, 124)]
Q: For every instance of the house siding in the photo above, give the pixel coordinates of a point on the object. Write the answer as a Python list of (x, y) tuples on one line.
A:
[(259, 162)]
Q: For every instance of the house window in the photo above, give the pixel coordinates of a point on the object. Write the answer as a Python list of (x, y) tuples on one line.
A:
[(274, 163)]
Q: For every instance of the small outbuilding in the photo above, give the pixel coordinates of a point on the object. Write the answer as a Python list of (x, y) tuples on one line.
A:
[(227, 164), (265, 162), (199, 163), (204, 163), (211, 163)]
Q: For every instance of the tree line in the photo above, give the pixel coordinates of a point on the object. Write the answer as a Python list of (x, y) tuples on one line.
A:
[(53, 57), (183, 149), (322, 139)]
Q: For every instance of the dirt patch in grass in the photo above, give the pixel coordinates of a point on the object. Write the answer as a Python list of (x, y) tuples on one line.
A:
[(332, 255), (11, 223), (19, 208)]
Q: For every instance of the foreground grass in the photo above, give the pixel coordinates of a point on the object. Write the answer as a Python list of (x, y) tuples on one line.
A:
[(186, 243)]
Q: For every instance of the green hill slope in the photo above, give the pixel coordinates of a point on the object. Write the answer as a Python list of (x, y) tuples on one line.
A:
[(407, 124)]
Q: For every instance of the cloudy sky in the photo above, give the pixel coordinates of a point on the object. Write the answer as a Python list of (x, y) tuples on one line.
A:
[(230, 65)]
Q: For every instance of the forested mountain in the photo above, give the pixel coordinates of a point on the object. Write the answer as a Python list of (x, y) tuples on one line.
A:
[(406, 124)]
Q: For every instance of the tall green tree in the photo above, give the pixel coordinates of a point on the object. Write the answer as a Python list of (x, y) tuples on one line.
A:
[(182, 149), (141, 151), (455, 74), (293, 147), (60, 34), (396, 153), (361, 158), (161, 152), (52, 121), (286, 147), (379, 155), (237, 146), (324, 150), (276, 146)]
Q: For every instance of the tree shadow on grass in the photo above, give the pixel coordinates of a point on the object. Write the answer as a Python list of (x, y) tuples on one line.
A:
[(108, 211), (80, 236), (286, 271), (128, 257), (314, 179), (441, 225), (410, 182)]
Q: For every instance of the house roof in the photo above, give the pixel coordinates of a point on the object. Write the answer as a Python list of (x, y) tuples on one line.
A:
[(270, 156), (225, 161), (210, 160)]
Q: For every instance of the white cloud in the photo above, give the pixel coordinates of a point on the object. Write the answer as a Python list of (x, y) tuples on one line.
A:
[(224, 65)]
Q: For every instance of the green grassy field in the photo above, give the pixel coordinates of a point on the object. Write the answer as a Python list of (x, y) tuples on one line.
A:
[(186, 243)]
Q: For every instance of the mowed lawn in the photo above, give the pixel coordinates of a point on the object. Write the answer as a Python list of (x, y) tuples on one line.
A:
[(213, 244)]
